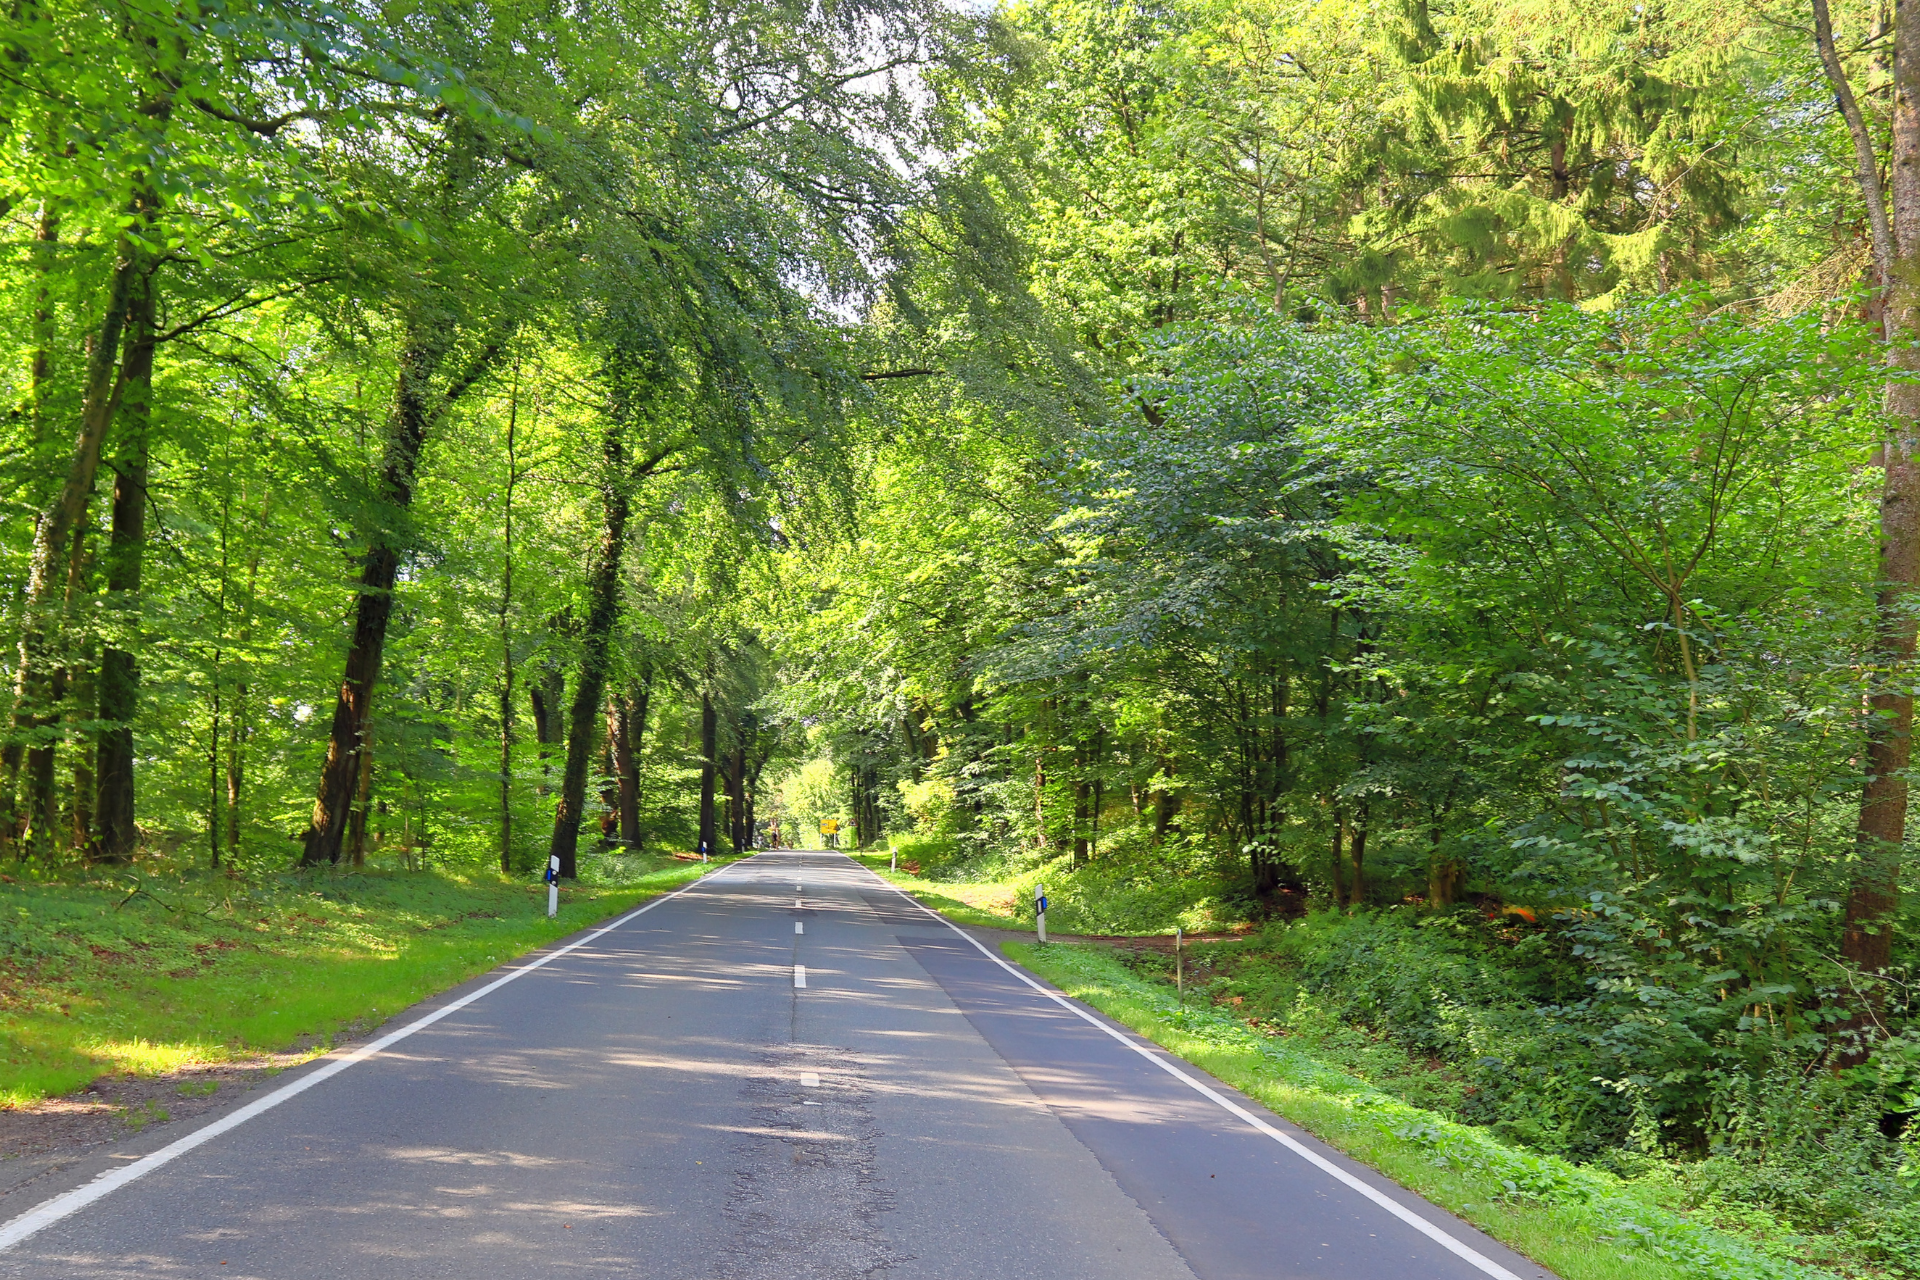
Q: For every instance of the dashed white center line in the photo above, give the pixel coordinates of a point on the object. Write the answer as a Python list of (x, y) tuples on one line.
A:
[(798, 927), (810, 1079), (799, 975)]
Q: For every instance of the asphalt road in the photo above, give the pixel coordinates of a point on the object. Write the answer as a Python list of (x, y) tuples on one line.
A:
[(669, 1101)]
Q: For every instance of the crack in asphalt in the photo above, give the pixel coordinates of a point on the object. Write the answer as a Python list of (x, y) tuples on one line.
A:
[(807, 1199)]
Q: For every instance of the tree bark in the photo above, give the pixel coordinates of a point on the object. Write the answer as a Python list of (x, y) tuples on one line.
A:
[(1357, 851), (1164, 803), (506, 636), (362, 803), (625, 808), (1873, 895), (737, 797), (85, 690), (236, 764), (119, 684), (610, 775), (1866, 168), (40, 367), (43, 798), (1335, 871), (637, 707), (39, 377), (213, 768), (546, 696), (1080, 810), (415, 411), (1040, 797), (709, 749), (41, 620), (603, 610)]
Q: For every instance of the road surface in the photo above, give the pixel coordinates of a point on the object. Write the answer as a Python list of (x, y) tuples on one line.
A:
[(787, 1071)]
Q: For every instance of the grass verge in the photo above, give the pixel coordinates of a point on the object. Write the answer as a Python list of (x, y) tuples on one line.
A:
[(1582, 1223), (146, 975), (988, 904)]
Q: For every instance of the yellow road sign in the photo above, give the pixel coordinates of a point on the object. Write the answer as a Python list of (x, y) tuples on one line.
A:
[(829, 826)]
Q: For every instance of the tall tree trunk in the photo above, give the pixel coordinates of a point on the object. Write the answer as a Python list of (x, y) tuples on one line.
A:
[(546, 696), (35, 697), (1357, 849), (1866, 167), (737, 797), (506, 636), (1164, 803), (214, 723), (1337, 873), (40, 366), (610, 774), (1443, 876), (407, 426), (85, 689), (1873, 896), (43, 796), (625, 808), (752, 794), (1040, 797), (603, 610), (362, 802), (709, 749), (40, 376), (636, 730), (237, 732), (1081, 792)]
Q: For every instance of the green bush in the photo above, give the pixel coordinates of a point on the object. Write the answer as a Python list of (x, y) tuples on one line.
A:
[(1490, 1026)]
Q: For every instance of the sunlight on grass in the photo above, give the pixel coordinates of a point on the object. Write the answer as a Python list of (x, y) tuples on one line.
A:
[(98, 987), (143, 1057)]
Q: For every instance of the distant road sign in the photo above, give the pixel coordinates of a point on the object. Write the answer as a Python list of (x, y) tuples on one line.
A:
[(829, 826)]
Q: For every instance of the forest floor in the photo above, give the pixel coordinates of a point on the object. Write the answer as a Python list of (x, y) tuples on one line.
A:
[(1394, 1109), (146, 996)]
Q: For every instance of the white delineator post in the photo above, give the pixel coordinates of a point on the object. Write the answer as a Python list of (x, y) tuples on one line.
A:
[(893, 859), (1179, 970), (553, 886), (1040, 910)]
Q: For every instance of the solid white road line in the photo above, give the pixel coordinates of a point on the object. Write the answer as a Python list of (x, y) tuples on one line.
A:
[(799, 975), (1437, 1234), (51, 1211)]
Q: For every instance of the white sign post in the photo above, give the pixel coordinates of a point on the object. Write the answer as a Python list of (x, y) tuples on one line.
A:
[(1040, 910), (553, 886)]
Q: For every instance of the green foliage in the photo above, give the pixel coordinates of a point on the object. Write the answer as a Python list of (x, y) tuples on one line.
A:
[(1229, 460), (1580, 1221)]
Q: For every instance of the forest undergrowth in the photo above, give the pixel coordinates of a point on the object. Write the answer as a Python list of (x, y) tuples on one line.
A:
[(147, 971), (1459, 1052)]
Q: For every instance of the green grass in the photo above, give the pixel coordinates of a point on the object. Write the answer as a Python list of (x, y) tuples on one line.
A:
[(1128, 889), (96, 978), (986, 904), (1582, 1223)]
